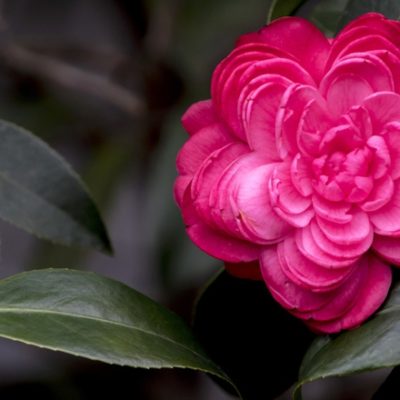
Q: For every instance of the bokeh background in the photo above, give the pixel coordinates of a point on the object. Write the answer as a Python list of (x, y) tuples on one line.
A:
[(105, 83)]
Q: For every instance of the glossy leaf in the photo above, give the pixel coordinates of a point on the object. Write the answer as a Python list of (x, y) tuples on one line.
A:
[(88, 315), (41, 194), (280, 8), (372, 346), (256, 342), (355, 8)]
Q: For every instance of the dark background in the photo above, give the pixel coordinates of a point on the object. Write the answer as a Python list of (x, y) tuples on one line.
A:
[(105, 83)]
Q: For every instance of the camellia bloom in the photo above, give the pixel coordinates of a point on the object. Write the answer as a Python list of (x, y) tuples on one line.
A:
[(292, 168)]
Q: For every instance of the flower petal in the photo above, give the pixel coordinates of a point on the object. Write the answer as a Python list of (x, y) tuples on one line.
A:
[(371, 295), (388, 248), (198, 116)]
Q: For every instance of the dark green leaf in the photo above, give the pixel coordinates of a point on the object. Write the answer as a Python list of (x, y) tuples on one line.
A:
[(41, 194), (280, 8), (87, 315), (355, 8), (372, 346), (257, 343)]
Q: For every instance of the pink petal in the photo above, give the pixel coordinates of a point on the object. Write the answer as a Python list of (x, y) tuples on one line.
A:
[(251, 202), (180, 186), (332, 211), (209, 173), (200, 146), (288, 116), (386, 220), (391, 133), (346, 91), (315, 121), (259, 114), (349, 251), (380, 195), (306, 273), (369, 298), (286, 292), (344, 297), (219, 200), (212, 241), (300, 173), (198, 116), (388, 248), (222, 246), (369, 70), (384, 107), (311, 249), (298, 37), (354, 231), (225, 87)]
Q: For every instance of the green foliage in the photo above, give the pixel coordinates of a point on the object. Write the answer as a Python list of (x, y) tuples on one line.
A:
[(281, 8), (41, 194), (355, 8), (87, 315)]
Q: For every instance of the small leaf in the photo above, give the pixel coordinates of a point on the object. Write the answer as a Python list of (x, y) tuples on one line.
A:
[(372, 346), (257, 343), (41, 194), (87, 315), (355, 8), (281, 8)]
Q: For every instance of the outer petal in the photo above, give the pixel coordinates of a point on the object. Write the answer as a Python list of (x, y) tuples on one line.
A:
[(369, 298), (212, 241), (388, 248), (386, 220), (297, 37), (200, 146), (198, 116), (306, 273)]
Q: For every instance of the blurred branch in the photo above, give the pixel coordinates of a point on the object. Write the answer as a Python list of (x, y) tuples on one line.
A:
[(71, 77)]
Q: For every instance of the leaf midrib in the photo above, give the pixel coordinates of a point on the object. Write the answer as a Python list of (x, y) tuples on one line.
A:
[(101, 320)]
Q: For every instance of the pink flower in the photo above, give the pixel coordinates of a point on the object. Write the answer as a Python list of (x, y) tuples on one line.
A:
[(293, 166)]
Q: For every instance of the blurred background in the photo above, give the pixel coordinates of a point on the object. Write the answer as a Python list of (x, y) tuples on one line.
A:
[(105, 83)]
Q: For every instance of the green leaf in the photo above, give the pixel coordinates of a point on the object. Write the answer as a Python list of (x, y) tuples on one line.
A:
[(257, 343), (281, 8), (41, 194), (88, 315), (372, 346), (355, 8)]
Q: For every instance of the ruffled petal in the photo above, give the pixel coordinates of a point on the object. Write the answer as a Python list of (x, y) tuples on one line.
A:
[(200, 146), (299, 38), (370, 297), (212, 241), (306, 273), (383, 107), (295, 98), (259, 114), (388, 248), (291, 296), (307, 243), (386, 220), (251, 202), (198, 116), (352, 232)]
